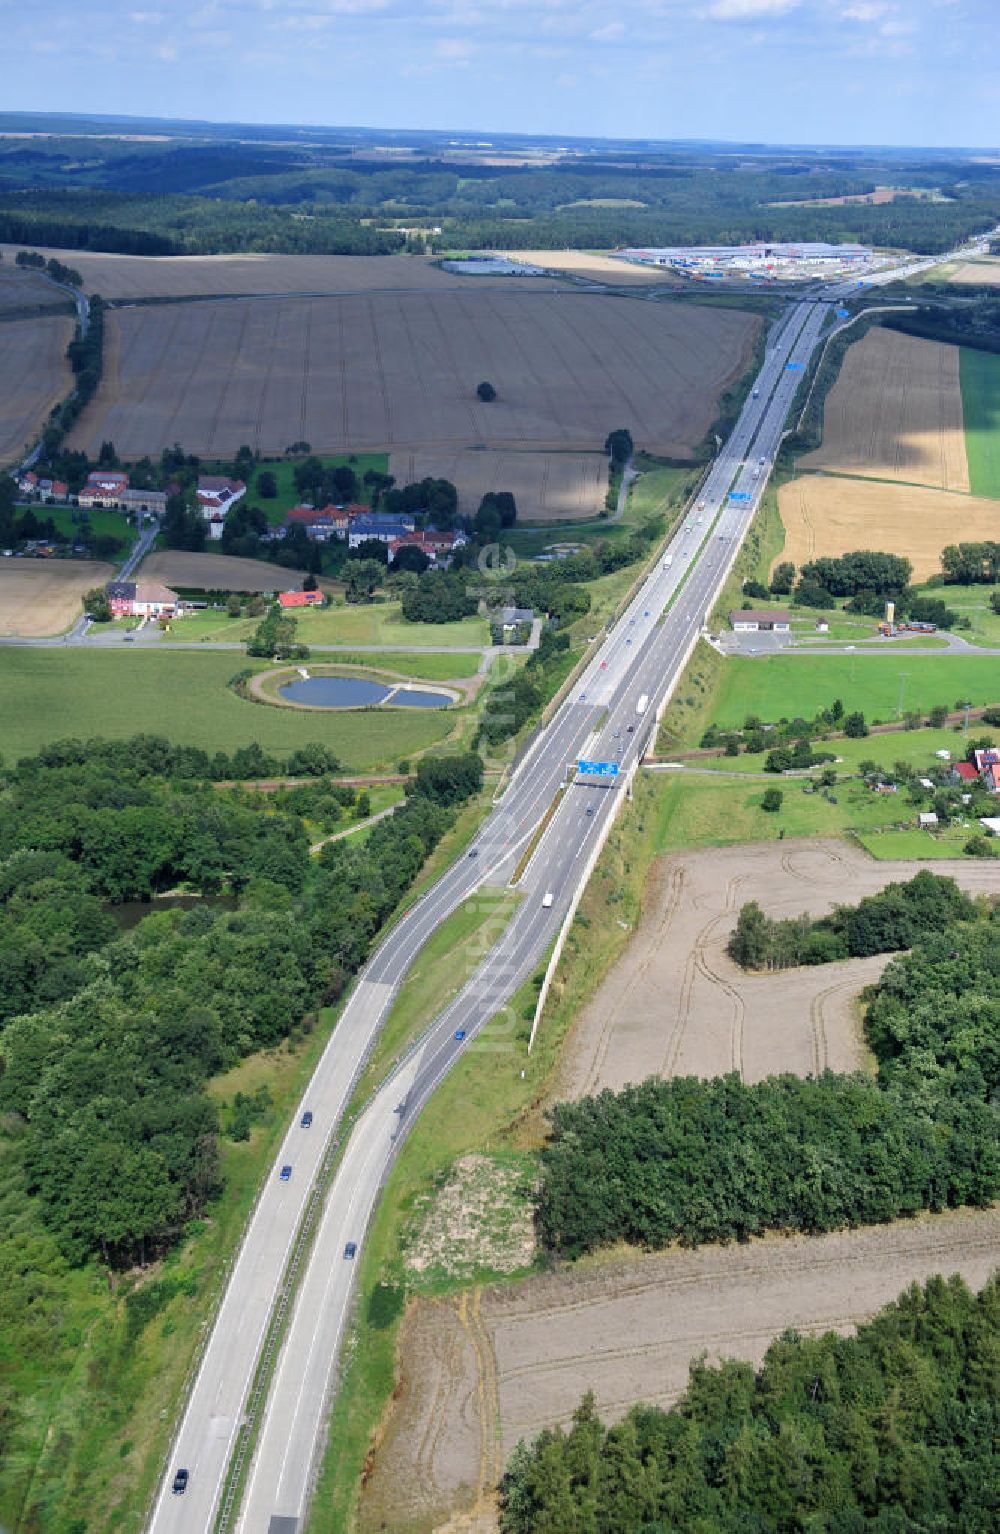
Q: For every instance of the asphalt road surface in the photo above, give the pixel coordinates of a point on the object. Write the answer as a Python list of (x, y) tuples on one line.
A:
[(600, 719)]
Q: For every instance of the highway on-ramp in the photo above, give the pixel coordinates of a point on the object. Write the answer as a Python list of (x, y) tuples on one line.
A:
[(603, 717)]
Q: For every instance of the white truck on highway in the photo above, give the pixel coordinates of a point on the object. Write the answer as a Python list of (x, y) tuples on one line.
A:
[(642, 704), (668, 560), (547, 899)]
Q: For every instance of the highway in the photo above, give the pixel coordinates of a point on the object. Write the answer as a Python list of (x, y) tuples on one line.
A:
[(645, 653)]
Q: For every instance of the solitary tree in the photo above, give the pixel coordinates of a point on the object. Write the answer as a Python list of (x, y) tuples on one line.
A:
[(619, 445), (486, 392), (782, 578), (97, 605), (267, 485), (771, 800), (855, 727)]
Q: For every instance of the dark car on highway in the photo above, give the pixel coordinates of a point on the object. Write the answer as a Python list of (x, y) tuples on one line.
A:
[(180, 1483), (306, 1119), (350, 1250), (285, 1173)]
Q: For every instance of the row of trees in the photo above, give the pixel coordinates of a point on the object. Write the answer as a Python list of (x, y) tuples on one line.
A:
[(33, 260), (890, 1429), (897, 917), (697, 1161)]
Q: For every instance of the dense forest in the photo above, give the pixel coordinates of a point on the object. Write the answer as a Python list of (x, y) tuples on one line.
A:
[(109, 1037), (236, 194), (894, 1429), (697, 1161)]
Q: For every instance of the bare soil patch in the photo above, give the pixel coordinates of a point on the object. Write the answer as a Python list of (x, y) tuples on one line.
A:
[(400, 371), (126, 277), (479, 1219), (34, 374), (895, 412), (42, 596), (218, 572), (826, 514), (675, 1004), (509, 1361), (548, 487)]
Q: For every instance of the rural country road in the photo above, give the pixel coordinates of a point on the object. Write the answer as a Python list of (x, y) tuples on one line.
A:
[(609, 716)]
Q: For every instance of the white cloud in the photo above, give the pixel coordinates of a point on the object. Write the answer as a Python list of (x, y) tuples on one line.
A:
[(864, 10), (454, 50), (740, 10), (146, 18), (609, 33), (166, 53)]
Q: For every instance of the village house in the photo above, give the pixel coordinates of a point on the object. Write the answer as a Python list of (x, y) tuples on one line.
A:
[(142, 599), (45, 489), (988, 767), (320, 525), (215, 495), (383, 529), (153, 502), (438, 547), (104, 488), (287, 599)]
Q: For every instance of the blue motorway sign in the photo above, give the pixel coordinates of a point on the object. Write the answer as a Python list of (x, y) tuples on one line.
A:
[(794, 367), (598, 769), (740, 495), (843, 314)]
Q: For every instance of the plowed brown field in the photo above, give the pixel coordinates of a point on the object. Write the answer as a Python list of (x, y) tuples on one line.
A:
[(25, 292), (675, 1004), (548, 487), (400, 370), (42, 596), (218, 572), (193, 276), (481, 1371), (972, 273), (895, 412), (830, 515), (34, 374)]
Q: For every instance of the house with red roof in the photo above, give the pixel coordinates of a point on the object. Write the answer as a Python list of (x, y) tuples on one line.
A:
[(287, 599), (320, 525), (105, 488), (438, 547), (988, 767)]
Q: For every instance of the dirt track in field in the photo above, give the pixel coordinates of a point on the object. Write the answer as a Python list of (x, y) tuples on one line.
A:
[(676, 1005), (480, 1371), (42, 596), (127, 277), (34, 375), (827, 514), (218, 572), (548, 487), (400, 371), (895, 412)]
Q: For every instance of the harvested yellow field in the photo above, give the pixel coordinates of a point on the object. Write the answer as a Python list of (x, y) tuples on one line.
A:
[(548, 487), (827, 515), (391, 370), (984, 273), (595, 266), (27, 292), (217, 572), (34, 374), (895, 412), (126, 277), (42, 596)]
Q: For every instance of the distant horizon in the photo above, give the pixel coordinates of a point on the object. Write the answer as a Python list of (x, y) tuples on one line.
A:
[(851, 73), (490, 135)]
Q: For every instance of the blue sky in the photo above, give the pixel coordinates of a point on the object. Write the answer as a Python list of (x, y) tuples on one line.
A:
[(807, 71)]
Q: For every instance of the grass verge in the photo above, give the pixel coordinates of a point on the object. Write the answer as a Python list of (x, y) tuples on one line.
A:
[(980, 380)]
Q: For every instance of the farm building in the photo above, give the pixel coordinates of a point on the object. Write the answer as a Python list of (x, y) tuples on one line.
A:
[(153, 501), (964, 772), (320, 525), (927, 820), (104, 488), (288, 599), (382, 529), (751, 620), (141, 599), (437, 546), (215, 495)]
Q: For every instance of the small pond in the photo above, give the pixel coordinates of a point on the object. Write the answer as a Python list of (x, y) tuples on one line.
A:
[(131, 912), (353, 692)]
